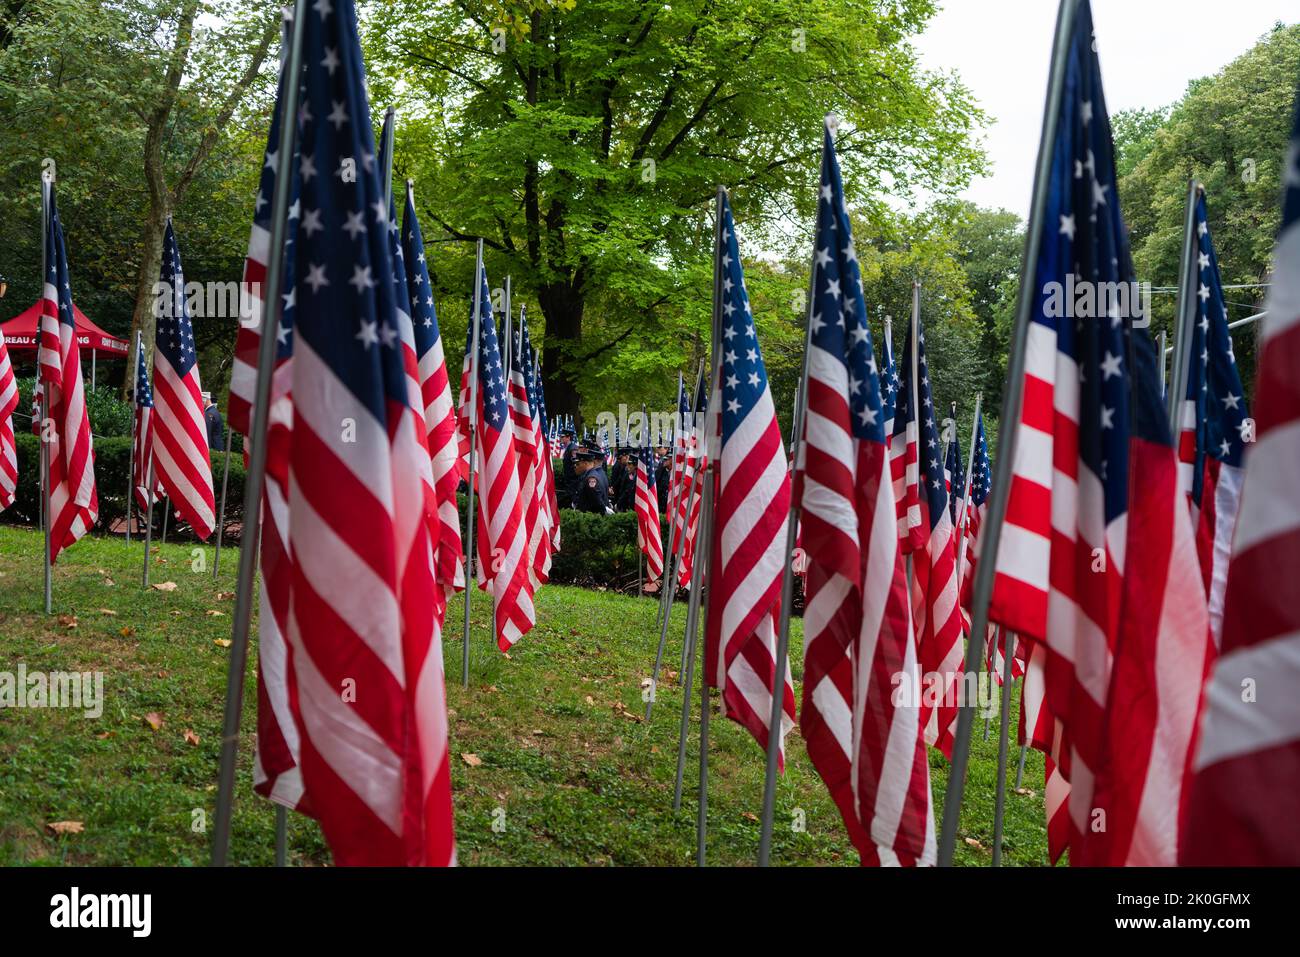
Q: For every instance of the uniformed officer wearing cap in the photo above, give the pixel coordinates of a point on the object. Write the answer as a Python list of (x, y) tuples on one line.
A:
[(592, 493), (623, 482), (568, 480)]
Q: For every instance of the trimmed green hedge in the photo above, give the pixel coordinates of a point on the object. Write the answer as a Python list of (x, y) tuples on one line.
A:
[(112, 474), (596, 550)]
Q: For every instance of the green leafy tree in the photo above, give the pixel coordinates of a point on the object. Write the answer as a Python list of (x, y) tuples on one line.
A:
[(1230, 132), (137, 107), (583, 141)]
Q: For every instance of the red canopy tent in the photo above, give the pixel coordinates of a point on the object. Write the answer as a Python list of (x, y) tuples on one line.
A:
[(20, 333)]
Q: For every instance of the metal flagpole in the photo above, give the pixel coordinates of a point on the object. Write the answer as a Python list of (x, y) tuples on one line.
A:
[(135, 438), (281, 836), (46, 184), (221, 515), (963, 516), (1185, 311), (257, 454), (167, 507), (1000, 802), (991, 528), (94, 354), (386, 151), (148, 522), (670, 585), (777, 715), (704, 551), (473, 429), (640, 553), (913, 404), (1164, 364)]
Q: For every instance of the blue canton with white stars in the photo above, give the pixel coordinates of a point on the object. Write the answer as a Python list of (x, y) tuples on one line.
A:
[(491, 374), (143, 394), (56, 272), (981, 481), (424, 317), (346, 271), (1084, 237), (262, 220), (744, 377), (174, 336), (888, 382), (929, 467), (956, 469), (838, 321), (1213, 385)]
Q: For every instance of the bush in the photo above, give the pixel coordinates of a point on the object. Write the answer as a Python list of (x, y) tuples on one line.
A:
[(596, 550), (112, 475), (109, 415)]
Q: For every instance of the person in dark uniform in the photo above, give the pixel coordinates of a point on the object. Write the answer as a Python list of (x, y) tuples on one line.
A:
[(592, 493), (564, 488), (624, 486), (663, 476), (212, 420)]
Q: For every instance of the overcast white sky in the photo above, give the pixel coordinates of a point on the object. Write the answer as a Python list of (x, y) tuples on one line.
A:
[(1149, 51)]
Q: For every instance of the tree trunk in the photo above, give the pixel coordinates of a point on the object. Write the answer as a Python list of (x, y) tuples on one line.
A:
[(561, 371), (143, 319)]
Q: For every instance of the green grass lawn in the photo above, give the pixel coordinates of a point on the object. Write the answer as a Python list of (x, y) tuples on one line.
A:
[(556, 756)]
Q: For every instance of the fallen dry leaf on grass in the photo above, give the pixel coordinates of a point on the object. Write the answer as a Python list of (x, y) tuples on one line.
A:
[(590, 700), (225, 596), (154, 720), (105, 735), (974, 843), (213, 613), (223, 642), (65, 827), (191, 737), (473, 760), (1025, 792), (108, 611), (749, 816), (164, 586), (109, 582), (126, 632), (68, 621)]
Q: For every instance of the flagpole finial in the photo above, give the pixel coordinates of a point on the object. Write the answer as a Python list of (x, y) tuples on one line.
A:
[(833, 123)]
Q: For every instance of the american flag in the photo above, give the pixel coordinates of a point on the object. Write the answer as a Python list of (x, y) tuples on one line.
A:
[(1213, 429), (753, 505), (74, 501), (677, 445), (142, 435), (687, 520), (363, 596), (276, 771), (8, 445), (502, 534), (435, 391), (934, 560), (180, 436), (889, 383), (903, 452), (529, 448), (649, 536), (678, 485), (857, 627), (550, 507), (954, 473), (981, 483), (1100, 568), (1242, 807), (995, 650)]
